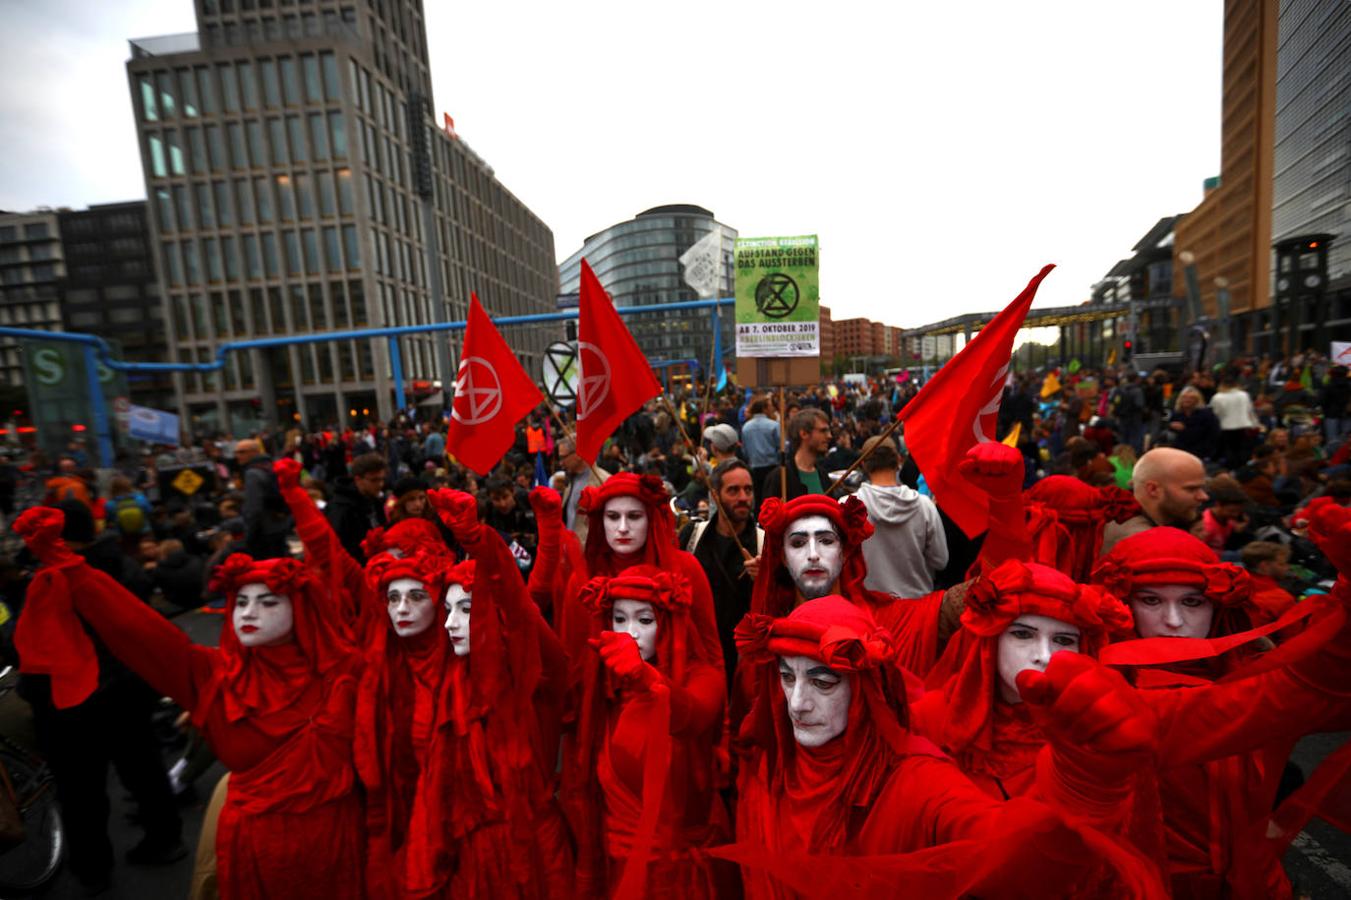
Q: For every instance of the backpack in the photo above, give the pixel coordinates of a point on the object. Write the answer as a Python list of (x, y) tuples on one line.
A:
[(129, 515)]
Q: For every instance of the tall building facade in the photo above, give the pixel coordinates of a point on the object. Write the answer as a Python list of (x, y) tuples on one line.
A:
[(31, 266), (110, 290), (1312, 189), (1228, 236), (288, 150), (638, 263)]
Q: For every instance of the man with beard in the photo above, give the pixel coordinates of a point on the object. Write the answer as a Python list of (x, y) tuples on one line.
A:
[(717, 545), (1170, 485)]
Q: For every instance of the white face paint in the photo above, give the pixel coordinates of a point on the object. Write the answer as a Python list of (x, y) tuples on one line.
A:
[(1171, 610), (457, 618), (625, 525), (818, 699), (262, 618), (411, 609), (814, 554), (1028, 643), (638, 619)]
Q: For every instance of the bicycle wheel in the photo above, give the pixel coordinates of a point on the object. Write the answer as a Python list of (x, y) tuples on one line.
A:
[(32, 863)]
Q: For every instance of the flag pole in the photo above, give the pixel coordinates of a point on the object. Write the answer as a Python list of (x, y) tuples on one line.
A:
[(896, 423), (557, 417), (712, 494), (708, 379), (783, 458)]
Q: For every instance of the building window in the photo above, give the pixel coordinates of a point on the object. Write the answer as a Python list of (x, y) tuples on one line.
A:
[(176, 163), (295, 125), (313, 89), (304, 197), (332, 251), (215, 143), (230, 257), (173, 267), (205, 214), (184, 207), (349, 239), (149, 108), (229, 91), (192, 267), (337, 130), (270, 263), (257, 146), (286, 198), (188, 88), (253, 263), (326, 197), (263, 188), (277, 133), (85, 320), (166, 94), (197, 150), (290, 83), (332, 87), (157, 166), (223, 213), (319, 136), (244, 201), (311, 243), (271, 87), (293, 261), (248, 85), (344, 191)]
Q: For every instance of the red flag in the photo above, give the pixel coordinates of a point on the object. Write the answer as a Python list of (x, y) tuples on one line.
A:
[(615, 379), (959, 408), (492, 394)]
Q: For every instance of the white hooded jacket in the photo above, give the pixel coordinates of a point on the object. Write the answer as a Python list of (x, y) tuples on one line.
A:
[(908, 545)]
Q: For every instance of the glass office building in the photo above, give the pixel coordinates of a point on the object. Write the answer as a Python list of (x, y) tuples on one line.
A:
[(277, 152), (638, 263)]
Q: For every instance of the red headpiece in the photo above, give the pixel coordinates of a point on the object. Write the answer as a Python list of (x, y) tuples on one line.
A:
[(1165, 556), (773, 593), (660, 528), (408, 536), (663, 590), (966, 675), (1060, 503)]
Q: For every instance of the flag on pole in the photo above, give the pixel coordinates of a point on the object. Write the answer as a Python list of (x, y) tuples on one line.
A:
[(703, 263), (492, 394), (615, 378), (959, 408)]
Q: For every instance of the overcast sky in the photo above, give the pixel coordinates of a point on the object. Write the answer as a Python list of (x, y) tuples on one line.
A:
[(942, 152)]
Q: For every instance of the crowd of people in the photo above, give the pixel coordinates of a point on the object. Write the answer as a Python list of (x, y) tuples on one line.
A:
[(745, 651)]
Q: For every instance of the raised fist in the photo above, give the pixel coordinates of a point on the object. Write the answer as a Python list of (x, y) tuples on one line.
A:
[(288, 473), (619, 653), (995, 468), (1330, 529), (1090, 715), (40, 527), (547, 504), (458, 510)]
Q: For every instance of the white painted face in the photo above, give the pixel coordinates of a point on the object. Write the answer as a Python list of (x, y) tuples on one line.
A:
[(1171, 610), (262, 618), (1028, 643), (638, 619), (625, 525), (411, 609), (818, 699), (814, 554), (457, 618)]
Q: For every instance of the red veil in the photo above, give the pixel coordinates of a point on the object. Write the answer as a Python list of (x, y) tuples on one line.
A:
[(674, 722), (1066, 518)]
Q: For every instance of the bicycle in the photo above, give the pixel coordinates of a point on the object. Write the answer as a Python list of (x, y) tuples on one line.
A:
[(34, 860)]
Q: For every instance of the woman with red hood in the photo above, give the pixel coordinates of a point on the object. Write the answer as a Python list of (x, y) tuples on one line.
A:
[(275, 703), (832, 772), (484, 822), (1229, 715), (631, 524), (1066, 518), (638, 781)]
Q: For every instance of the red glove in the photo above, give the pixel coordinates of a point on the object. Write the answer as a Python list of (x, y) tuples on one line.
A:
[(996, 469), (1330, 529), (1100, 732), (619, 653), (40, 527), (288, 473), (458, 510), (548, 506)]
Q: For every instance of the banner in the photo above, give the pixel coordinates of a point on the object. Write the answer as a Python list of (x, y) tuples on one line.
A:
[(1341, 353), (778, 297), (153, 425)]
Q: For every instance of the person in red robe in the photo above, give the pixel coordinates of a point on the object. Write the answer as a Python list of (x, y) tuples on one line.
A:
[(1066, 518), (1229, 718), (639, 780), (275, 703), (484, 822), (832, 773)]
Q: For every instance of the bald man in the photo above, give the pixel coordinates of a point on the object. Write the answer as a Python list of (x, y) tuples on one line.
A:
[(1170, 485)]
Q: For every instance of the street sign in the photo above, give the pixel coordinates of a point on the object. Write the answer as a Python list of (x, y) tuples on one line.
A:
[(188, 482), (561, 373)]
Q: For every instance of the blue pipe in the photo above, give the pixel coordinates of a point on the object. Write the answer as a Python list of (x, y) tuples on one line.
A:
[(396, 366), (104, 352)]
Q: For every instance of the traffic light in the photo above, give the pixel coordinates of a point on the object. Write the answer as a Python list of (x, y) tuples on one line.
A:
[(1126, 347)]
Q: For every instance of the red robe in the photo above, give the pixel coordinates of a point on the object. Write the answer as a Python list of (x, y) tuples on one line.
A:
[(292, 821)]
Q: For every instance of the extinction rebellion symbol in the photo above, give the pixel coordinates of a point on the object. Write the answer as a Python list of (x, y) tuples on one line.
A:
[(594, 385), (479, 389), (776, 295)]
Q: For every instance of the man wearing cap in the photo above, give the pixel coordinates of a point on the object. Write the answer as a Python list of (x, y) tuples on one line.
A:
[(722, 443)]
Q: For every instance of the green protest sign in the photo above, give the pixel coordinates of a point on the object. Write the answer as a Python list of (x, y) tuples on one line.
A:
[(778, 297)]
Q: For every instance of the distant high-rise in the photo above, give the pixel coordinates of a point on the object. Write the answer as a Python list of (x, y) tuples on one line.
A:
[(31, 265), (286, 150), (638, 263), (110, 290)]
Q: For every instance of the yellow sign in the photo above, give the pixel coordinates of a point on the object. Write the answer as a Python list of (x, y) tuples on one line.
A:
[(188, 482)]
